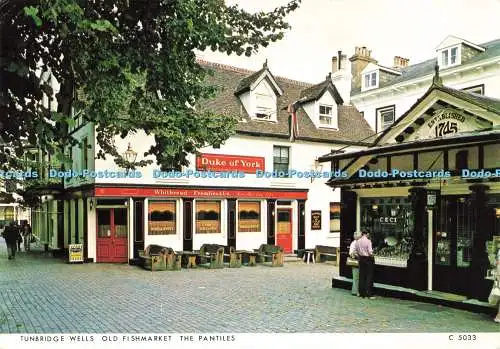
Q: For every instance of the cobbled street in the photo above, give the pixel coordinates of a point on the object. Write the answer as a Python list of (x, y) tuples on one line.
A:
[(40, 294)]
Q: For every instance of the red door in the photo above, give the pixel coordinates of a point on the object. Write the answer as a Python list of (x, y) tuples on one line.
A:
[(284, 229), (112, 235)]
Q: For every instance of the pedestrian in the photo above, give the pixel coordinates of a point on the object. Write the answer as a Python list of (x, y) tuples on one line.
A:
[(19, 237), (10, 234), (497, 282), (352, 261), (26, 235), (364, 251)]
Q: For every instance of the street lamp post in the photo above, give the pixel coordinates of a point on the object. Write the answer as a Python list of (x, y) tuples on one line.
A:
[(130, 156)]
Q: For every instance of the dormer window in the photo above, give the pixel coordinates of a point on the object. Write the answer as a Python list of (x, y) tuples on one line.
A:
[(325, 115), (450, 57), (265, 106), (370, 80)]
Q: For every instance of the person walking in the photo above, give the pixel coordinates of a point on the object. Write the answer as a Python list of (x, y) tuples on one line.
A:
[(26, 235), (354, 263), (364, 251), (19, 237), (10, 234)]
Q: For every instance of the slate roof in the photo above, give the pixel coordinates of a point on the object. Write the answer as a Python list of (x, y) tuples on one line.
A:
[(426, 68), (353, 128)]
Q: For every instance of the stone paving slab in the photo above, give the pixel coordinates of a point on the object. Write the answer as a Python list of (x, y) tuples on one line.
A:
[(40, 294)]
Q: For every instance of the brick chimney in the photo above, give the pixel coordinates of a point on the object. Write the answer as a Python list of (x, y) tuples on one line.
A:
[(341, 77), (400, 62), (360, 59)]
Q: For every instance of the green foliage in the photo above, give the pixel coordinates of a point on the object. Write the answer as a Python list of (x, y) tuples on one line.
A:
[(113, 59)]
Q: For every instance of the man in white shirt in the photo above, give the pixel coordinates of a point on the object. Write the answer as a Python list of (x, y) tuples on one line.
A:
[(355, 269)]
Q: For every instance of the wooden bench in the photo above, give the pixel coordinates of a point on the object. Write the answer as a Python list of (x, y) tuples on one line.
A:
[(231, 256), (273, 252), (323, 253), (212, 254), (156, 258)]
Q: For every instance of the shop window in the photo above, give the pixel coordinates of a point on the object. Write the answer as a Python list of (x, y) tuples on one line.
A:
[(461, 160), (85, 152), (161, 217), (390, 223), (334, 217), (281, 160), (249, 216), (208, 215)]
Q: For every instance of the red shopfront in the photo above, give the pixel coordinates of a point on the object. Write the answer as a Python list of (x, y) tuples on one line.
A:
[(278, 205)]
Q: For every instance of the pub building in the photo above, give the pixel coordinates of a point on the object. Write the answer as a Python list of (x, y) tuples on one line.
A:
[(432, 225), (282, 125)]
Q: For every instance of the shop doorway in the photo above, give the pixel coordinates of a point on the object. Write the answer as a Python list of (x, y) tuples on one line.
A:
[(284, 229), (112, 232), (452, 246)]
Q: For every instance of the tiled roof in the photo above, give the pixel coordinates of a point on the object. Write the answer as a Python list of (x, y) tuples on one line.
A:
[(427, 67), (316, 91), (352, 126)]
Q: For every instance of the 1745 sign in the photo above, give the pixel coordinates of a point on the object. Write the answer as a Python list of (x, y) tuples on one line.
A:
[(446, 122)]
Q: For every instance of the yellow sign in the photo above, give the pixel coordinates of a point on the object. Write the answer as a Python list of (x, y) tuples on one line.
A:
[(75, 253)]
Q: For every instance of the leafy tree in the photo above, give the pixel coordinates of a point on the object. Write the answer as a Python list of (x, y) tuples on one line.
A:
[(125, 65)]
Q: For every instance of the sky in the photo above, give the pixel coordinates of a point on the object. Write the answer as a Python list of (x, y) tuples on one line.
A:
[(406, 28)]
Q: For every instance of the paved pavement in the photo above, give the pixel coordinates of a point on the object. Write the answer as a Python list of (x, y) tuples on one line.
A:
[(41, 294)]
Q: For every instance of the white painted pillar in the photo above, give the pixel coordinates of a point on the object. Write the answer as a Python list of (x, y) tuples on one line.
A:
[(429, 250), (146, 219), (358, 213), (130, 228)]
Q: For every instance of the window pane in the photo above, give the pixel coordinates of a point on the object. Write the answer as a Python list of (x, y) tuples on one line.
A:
[(161, 218), (208, 217), (374, 79), (248, 216), (334, 217), (325, 120), (445, 58), (276, 152), (120, 222), (103, 223), (454, 51), (367, 80)]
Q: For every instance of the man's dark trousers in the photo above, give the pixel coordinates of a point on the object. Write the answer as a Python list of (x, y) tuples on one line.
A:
[(366, 266)]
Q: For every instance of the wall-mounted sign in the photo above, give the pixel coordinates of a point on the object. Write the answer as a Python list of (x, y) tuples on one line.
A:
[(450, 121), (388, 220), (75, 253), (222, 163), (432, 198), (315, 220), (199, 193)]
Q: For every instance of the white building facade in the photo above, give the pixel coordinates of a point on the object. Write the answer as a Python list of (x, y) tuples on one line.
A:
[(383, 94)]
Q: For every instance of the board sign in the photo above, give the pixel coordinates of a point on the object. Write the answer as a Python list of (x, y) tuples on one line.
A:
[(75, 253), (315, 220), (223, 163), (431, 198)]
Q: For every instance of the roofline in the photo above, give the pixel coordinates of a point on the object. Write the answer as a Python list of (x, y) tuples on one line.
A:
[(466, 42), (404, 146), (442, 73), (309, 139)]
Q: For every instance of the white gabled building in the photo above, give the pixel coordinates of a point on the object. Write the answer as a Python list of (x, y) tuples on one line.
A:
[(382, 94), (114, 218)]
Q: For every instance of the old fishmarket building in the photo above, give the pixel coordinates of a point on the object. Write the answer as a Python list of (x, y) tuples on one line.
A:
[(432, 221)]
